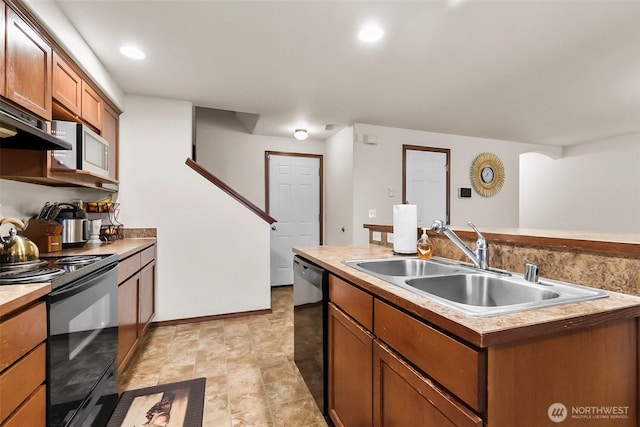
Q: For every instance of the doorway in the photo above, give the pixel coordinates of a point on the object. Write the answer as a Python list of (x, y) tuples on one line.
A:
[(294, 199), (425, 182)]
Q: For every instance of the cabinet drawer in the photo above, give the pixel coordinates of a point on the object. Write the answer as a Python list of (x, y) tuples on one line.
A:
[(147, 255), (19, 334), (31, 413), (355, 302), (459, 368), (22, 379), (403, 397), (128, 267)]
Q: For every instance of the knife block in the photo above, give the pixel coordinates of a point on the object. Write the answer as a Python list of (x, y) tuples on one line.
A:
[(45, 233)]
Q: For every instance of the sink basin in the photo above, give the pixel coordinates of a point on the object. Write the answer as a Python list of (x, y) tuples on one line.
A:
[(475, 292), (404, 267), (481, 290)]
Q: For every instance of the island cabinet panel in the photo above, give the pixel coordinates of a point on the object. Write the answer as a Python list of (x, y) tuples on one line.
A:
[(350, 371), (404, 397), (590, 374), (27, 67), (355, 302), (67, 85), (459, 368)]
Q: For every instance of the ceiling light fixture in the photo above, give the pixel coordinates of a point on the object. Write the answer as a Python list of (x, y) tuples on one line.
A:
[(300, 134), (370, 33), (132, 52)]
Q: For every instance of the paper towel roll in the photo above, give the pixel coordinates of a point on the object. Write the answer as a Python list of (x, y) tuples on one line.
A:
[(405, 229)]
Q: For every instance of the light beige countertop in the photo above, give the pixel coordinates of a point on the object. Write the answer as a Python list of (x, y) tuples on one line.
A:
[(13, 297), (479, 331)]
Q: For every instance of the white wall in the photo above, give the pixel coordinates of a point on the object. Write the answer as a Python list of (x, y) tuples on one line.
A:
[(205, 238), (594, 187), (338, 179), (229, 151), (21, 200), (378, 167)]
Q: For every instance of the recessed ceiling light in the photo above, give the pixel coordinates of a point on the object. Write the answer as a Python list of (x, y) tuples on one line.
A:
[(132, 52), (370, 33), (300, 134)]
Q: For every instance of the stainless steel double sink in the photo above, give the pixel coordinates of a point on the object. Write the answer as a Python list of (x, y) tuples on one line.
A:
[(473, 291)]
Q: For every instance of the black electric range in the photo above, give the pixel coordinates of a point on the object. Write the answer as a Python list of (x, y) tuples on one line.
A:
[(57, 270)]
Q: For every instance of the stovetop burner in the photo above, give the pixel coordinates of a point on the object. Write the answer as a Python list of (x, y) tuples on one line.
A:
[(78, 259), (57, 270), (26, 265), (29, 276)]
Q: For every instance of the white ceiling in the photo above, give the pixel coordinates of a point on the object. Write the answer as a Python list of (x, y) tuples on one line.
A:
[(553, 72)]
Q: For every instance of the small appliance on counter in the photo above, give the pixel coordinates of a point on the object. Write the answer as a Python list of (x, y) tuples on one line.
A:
[(75, 226)]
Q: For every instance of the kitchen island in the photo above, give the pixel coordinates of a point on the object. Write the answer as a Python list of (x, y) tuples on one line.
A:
[(407, 351)]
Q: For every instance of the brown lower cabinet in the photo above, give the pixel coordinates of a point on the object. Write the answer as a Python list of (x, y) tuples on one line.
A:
[(22, 366), (402, 396), (350, 370), (136, 306), (403, 371)]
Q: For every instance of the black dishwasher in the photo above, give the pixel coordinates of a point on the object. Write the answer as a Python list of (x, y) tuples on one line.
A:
[(310, 298)]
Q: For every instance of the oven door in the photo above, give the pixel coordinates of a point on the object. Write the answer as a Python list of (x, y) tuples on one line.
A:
[(82, 348)]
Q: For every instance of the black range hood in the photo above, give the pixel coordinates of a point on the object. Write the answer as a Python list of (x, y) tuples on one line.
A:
[(19, 130)]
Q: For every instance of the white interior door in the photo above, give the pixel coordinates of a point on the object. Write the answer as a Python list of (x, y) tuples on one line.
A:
[(426, 184), (294, 201)]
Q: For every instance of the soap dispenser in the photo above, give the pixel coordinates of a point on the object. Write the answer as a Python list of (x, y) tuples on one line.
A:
[(425, 247)]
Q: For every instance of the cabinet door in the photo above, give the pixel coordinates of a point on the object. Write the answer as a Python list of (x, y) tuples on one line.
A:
[(91, 106), (67, 85), (350, 371), (28, 67), (110, 123), (127, 317), (147, 296), (403, 397)]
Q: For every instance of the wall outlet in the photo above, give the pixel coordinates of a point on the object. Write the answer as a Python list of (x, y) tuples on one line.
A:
[(372, 213), (376, 236), (389, 237)]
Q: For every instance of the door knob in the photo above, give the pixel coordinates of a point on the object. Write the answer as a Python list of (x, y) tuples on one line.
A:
[(273, 227)]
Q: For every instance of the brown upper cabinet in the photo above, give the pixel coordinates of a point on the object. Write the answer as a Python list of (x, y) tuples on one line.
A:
[(91, 106), (67, 85), (37, 75), (27, 66)]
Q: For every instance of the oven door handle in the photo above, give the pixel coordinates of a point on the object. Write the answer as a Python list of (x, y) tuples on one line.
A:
[(82, 284)]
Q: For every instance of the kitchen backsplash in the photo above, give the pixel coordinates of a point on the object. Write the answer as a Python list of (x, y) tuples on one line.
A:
[(21, 200), (612, 272)]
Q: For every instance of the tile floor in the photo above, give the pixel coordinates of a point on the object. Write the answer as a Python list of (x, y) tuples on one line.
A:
[(248, 362)]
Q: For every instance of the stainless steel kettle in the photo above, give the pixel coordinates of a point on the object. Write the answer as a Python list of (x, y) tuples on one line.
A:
[(14, 248)]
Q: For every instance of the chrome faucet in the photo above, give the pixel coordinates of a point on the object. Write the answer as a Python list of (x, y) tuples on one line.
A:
[(481, 254)]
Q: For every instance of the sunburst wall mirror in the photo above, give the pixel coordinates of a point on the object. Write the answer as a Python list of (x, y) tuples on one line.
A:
[(487, 174)]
